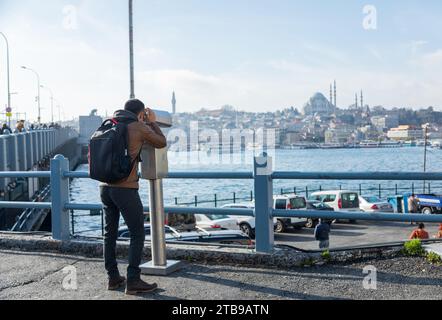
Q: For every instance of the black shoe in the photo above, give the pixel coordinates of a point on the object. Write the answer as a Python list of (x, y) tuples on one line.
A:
[(116, 283), (139, 286)]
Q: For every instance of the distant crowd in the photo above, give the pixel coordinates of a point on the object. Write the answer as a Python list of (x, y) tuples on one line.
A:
[(21, 127)]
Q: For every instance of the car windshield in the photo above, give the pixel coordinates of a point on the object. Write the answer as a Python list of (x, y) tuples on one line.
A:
[(373, 200), (298, 203), (319, 205), (350, 200)]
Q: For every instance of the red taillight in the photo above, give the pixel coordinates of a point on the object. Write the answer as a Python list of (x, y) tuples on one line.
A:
[(216, 226), (375, 207), (340, 204)]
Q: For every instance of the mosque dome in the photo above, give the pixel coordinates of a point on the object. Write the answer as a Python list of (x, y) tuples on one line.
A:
[(319, 104)]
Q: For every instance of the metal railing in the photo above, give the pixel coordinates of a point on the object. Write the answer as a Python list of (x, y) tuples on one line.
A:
[(263, 212)]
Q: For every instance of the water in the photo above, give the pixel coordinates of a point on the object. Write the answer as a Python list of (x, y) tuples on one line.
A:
[(335, 160)]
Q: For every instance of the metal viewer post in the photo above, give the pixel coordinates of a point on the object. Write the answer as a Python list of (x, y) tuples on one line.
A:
[(155, 169)]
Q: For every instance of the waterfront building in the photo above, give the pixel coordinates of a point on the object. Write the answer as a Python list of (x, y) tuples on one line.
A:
[(406, 133), (385, 122), (339, 134)]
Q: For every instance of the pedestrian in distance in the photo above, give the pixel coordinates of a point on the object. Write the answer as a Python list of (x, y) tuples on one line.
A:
[(420, 233), (439, 232), (136, 126), (322, 234), (413, 205)]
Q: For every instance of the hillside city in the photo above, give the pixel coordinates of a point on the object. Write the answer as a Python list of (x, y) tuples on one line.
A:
[(321, 124)]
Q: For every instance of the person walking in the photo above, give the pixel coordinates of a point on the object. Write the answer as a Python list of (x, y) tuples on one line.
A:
[(413, 205), (420, 233), (322, 234), (123, 197)]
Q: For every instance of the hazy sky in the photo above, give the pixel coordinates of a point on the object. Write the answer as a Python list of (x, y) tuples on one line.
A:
[(257, 55)]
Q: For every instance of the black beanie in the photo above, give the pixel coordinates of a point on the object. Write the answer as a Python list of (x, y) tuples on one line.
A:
[(135, 106)]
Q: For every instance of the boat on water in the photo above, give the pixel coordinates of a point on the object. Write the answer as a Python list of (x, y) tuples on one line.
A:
[(369, 144)]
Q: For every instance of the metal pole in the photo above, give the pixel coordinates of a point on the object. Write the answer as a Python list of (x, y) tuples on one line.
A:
[(425, 154), (8, 72), (131, 50), (264, 204), (157, 218), (52, 102), (60, 197), (38, 92)]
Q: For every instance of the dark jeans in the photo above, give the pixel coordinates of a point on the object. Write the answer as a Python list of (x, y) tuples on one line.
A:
[(128, 202)]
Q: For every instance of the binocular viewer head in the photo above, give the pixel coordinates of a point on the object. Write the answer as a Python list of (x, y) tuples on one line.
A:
[(164, 118)]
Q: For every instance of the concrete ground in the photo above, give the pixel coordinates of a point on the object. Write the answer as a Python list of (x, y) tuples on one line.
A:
[(346, 234), (41, 276)]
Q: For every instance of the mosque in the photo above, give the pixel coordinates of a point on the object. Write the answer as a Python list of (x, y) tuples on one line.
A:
[(318, 104)]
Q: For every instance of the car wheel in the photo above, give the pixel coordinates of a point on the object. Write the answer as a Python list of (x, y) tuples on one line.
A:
[(311, 223), (280, 226), (247, 229), (427, 211)]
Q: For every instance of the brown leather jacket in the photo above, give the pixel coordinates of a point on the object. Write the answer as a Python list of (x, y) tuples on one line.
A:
[(139, 134)]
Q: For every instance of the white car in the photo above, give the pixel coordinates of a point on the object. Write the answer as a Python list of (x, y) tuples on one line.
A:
[(216, 222), (289, 202), (246, 224), (374, 204), (339, 200)]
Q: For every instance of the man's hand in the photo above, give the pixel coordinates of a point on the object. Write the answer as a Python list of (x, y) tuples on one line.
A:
[(151, 116)]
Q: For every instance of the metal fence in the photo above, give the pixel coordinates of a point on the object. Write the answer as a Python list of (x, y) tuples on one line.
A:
[(263, 178)]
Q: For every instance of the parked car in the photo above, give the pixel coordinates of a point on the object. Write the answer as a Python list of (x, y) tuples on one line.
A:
[(316, 205), (289, 202), (429, 203), (246, 224), (216, 222), (374, 204), (339, 200), (197, 235)]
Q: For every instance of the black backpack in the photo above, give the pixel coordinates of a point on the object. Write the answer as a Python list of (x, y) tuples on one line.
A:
[(109, 159)]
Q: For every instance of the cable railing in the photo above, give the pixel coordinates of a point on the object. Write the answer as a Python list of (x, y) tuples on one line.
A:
[(263, 177)]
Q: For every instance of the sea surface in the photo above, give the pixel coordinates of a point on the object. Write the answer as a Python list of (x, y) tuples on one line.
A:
[(183, 192)]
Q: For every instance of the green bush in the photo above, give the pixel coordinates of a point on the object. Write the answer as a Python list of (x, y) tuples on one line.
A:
[(434, 258), (414, 248), (326, 255)]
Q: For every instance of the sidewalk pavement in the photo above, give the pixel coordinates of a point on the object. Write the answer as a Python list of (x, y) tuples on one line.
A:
[(28, 275)]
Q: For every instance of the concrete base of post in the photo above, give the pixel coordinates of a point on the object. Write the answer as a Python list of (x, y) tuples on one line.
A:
[(171, 267)]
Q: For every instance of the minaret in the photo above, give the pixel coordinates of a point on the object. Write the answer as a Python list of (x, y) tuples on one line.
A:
[(362, 99), (331, 93), (336, 103), (356, 100), (173, 103)]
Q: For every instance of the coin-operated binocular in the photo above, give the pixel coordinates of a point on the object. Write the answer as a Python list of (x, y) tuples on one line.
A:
[(154, 167)]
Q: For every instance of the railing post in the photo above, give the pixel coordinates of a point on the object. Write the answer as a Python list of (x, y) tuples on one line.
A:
[(60, 197), (264, 204)]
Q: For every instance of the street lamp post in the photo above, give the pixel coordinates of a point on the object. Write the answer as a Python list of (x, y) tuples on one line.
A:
[(7, 68), (38, 91), (131, 50), (52, 102)]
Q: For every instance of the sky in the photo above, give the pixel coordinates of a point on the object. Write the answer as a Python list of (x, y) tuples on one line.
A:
[(256, 55)]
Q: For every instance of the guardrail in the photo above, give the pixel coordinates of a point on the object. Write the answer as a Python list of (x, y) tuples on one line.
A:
[(263, 212)]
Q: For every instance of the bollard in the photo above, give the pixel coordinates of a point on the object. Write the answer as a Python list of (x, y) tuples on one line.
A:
[(264, 204), (60, 197)]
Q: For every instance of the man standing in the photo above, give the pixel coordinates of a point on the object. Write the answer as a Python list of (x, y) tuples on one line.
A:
[(412, 205), (123, 197), (322, 234)]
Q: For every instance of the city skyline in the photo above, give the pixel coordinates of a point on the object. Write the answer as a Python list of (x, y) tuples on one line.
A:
[(259, 57)]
